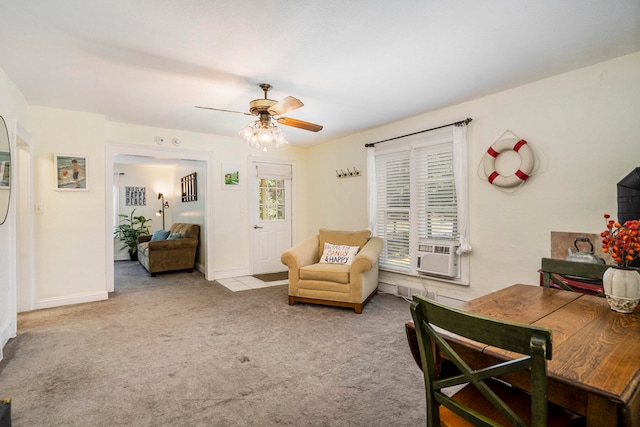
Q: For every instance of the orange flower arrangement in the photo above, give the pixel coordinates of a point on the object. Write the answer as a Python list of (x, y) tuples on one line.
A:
[(622, 242)]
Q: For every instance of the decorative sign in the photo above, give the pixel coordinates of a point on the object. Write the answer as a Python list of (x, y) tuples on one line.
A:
[(135, 196)]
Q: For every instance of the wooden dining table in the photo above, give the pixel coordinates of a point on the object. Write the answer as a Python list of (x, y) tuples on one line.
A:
[(595, 365)]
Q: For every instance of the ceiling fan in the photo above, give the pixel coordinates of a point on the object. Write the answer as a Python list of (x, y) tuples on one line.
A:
[(264, 132)]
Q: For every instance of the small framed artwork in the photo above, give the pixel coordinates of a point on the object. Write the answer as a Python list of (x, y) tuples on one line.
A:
[(230, 177), (5, 169), (135, 196), (71, 172)]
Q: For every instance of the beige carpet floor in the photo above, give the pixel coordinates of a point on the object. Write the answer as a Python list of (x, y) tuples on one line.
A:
[(176, 350)]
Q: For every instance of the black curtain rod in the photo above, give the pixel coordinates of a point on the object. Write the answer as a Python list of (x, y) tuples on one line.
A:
[(461, 122)]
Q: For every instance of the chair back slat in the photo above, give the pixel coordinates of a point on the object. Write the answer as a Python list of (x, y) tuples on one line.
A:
[(532, 342)]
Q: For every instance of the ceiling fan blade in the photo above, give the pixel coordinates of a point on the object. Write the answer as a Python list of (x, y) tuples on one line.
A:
[(285, 105), (226, 111), (287, 121)]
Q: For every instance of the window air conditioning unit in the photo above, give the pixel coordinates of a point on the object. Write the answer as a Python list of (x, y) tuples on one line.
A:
[(437, 259)]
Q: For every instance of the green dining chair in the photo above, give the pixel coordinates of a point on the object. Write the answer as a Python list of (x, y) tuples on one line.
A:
[(573, 276), (481, 399)]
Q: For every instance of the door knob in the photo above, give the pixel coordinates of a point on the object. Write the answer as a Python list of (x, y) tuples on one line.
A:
[(256, 227)]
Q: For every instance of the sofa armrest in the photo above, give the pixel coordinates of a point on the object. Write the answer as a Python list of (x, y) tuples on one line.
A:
[(304, 253), (144, 238), (368, 256), (163, 245)]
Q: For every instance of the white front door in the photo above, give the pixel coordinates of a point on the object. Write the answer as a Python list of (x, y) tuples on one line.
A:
[(271, 228)]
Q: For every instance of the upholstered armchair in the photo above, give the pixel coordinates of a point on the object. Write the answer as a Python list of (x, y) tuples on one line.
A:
[(174, 251), (328, 280)]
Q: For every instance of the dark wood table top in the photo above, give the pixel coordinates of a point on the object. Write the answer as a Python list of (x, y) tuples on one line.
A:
[(595, 366)]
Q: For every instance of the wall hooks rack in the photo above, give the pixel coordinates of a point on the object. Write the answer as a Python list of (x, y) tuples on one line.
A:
[(348, 174)]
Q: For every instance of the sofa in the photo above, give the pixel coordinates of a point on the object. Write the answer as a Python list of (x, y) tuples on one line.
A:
[(169, 251), (318, 275)]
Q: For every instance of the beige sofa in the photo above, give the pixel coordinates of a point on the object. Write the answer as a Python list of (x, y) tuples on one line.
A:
[(170, 255), (339, 285)]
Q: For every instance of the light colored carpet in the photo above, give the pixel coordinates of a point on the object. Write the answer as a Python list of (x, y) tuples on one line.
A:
[(176, 350)]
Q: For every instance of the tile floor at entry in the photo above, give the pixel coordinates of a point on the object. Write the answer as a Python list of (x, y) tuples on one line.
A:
[(245, 283)]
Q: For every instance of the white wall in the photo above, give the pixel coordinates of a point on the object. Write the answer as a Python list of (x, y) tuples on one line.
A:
[(230, 209), (191, 212), (69, 243), (584, 127)]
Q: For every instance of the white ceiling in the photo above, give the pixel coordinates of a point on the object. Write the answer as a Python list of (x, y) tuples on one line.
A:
[(356, 64)]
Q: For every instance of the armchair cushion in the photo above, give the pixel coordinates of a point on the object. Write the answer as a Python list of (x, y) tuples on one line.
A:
[(326, 272), (347, 238)]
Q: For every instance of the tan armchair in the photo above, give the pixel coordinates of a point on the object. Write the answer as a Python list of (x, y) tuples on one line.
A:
[(339, 285), (170, 255)]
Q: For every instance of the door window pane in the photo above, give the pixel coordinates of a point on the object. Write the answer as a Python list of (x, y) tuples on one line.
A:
[(271, 199)]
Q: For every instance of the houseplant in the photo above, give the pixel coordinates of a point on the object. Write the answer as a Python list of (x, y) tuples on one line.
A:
[(621, 282), (129, 229)]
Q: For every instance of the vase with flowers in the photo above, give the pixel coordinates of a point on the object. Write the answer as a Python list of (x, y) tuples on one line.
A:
[(621, 282)]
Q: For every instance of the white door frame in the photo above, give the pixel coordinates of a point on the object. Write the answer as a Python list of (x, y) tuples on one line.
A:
[(23, 187), (252, 200), (113, 148)]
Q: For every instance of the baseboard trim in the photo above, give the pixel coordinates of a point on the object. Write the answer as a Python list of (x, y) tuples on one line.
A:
[(7, 331), (71, 299), (227, 274)]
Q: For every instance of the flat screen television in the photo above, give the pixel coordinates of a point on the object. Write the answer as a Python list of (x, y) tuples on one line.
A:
[(629, 196)]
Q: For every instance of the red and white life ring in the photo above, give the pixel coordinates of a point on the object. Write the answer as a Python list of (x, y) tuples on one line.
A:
[(521, 147)]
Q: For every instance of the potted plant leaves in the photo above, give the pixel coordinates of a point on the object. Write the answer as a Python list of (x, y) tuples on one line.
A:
[(129, 229)]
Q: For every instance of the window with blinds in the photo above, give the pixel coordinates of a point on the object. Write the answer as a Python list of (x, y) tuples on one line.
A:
[(416, 200), (437, 210), (393, 181)]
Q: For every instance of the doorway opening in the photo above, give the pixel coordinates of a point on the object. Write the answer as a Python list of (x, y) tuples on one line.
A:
[(116, 152)]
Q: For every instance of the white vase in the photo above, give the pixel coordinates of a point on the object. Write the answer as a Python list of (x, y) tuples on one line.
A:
[(622, 289)]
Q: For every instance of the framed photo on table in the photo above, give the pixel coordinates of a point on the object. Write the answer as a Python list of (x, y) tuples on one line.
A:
[(71, 172)]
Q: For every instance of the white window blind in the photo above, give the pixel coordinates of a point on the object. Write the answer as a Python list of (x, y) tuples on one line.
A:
[(437, 211), (416, 199), (273, 171), (393, 178)]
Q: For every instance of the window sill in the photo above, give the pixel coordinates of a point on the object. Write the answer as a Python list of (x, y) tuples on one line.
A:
[(412, 276)]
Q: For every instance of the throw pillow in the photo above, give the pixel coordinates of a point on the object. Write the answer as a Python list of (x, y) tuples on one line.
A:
[(338, 254), (174, 236), (160, 235)]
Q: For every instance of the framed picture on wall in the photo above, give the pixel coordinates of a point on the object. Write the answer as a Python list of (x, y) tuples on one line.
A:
[(135, 196), (71, 172), (189, 187), (230, 177), (5, 169)]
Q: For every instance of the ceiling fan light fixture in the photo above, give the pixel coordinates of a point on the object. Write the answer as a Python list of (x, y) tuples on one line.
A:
[(262, 135)]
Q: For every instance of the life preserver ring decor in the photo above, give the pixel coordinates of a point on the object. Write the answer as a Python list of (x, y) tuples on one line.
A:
[(521, 147)]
